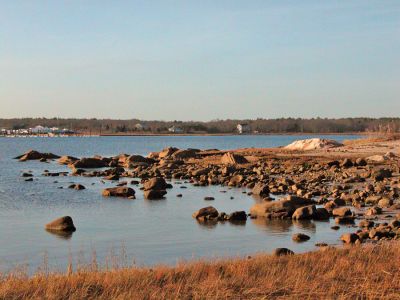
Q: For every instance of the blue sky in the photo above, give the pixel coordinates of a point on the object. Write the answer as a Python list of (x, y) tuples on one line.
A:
[(199, 60)]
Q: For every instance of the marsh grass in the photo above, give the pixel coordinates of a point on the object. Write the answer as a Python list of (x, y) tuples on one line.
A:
[(367, 272)]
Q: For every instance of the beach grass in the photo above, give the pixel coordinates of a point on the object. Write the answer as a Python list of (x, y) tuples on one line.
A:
[(358, 272)]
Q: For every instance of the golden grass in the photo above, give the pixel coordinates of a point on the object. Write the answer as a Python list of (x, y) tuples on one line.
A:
[(377, 138), (368, 272)]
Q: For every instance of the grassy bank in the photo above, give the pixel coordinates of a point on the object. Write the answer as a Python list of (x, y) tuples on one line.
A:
[(368, 272)]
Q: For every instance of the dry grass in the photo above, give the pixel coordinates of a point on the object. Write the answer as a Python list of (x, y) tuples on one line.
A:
[(377, 138), (368, 272)]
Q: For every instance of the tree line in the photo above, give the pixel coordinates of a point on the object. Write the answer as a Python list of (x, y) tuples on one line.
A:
[(261, 126)]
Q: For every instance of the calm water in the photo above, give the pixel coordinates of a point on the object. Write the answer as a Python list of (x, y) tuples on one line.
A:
[(149, 232)]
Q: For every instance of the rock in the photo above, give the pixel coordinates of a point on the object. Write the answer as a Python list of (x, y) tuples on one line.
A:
[(344, 220), (201, 171), (238, 216), (372, 211), (312, 144), (304, 213), (385, 202), (233, 159), (61, 224), (154, 194), (346, 163), (89, 163), (26, 175), (209, 198), (67, 160), (133, 160), (279, 209), (35, 155), (300, 237), (207, 212), (167, 152), (377, 158), (236, 180), (361, 162), (349, 238), (366, 223), (321, 214), (155, 183), (185, 154), (283, 251), (77, 187), (381, 174), (261, 190), (122, 191), (342, 212)]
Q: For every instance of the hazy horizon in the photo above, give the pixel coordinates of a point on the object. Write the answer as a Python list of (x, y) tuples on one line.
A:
[(186, 60)]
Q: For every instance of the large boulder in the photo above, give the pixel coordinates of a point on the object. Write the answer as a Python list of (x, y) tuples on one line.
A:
[(155, 183), (206, 212), (154, 194), (120, 191), (305, 213), (61, 224), (238, 216), (35, 155), (282, 208), (89, 163), (233, 159), (312, 144)]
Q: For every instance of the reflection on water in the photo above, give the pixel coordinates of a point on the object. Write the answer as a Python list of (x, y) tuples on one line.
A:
[(65, 235)]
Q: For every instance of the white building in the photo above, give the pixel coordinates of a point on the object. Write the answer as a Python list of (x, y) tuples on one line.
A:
[(175, 129), (243, 128), (141, 127), (40, 130)]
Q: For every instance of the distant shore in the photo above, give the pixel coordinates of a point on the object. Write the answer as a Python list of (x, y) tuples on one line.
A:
[(192, 134)]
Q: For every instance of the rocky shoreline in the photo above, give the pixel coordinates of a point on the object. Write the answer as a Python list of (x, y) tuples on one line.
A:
[(356, 184)]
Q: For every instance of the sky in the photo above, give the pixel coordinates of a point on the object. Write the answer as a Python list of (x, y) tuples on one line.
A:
[(199, 60)]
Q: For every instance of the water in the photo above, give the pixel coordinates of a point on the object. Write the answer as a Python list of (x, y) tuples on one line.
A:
[(148, 232)]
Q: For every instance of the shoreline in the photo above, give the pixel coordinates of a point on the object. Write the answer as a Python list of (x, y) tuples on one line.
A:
[(361, 134)]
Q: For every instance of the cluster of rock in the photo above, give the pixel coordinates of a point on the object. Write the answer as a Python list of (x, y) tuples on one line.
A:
[(211, 214), (345, 189)]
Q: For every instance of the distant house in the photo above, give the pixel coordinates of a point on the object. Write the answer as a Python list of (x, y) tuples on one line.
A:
[(175, 129), (40, 130), (243, 128), (141, 127)]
